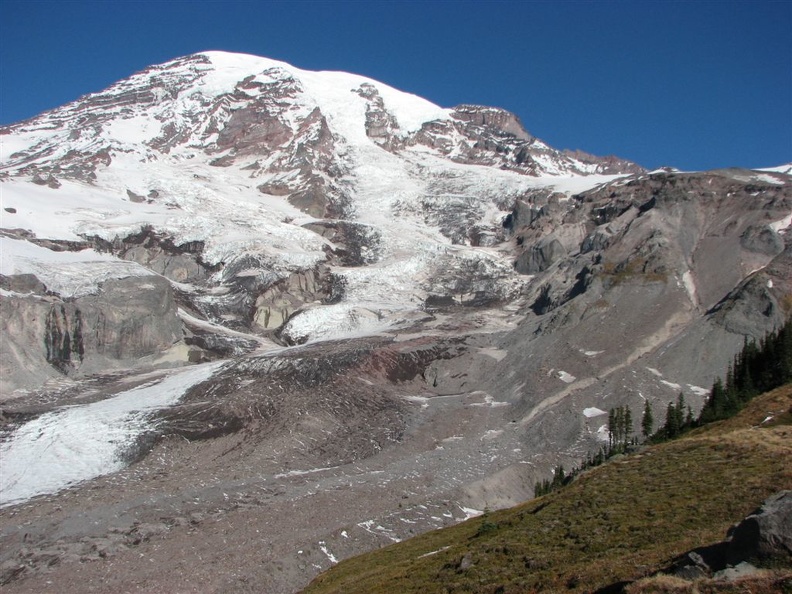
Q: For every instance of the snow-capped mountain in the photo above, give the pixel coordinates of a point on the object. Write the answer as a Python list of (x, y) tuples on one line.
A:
[(247, 173), (363, 289)]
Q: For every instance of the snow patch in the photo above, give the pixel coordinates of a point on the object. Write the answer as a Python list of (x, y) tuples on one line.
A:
[(785, 169), (593, 412), (492, 434), (301, 472), (566, 377), (378, 530), (769, 179), (698, 390), (690, 286), (489, 401), (429, 554), (592, 353), (64, 447), (327, 552), (782, 224), (470, 512)]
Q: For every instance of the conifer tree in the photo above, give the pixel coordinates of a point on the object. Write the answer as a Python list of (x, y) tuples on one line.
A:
[(647, 422), (671, 427), (679, 411), (628, 424)]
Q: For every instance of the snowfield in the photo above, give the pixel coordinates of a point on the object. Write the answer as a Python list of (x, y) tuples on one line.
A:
[(222, 207), (62, 448), (70, 274)]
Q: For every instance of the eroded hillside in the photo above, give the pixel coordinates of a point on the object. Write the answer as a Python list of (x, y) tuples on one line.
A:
[(615, 524)]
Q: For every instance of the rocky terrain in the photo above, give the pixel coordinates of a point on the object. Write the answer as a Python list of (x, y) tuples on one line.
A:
[(256, 319), (655, 520)]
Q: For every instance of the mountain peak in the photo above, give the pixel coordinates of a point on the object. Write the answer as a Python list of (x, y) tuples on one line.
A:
[(358, 286)]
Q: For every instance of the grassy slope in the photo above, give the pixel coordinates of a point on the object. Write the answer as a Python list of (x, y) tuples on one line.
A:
[(621, 521)]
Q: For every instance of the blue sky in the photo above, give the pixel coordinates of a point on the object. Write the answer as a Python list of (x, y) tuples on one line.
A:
[(696, 85)]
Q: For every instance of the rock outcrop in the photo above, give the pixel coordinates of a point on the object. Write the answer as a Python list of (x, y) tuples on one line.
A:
[(764, 537), (761, 540), (126, 324)]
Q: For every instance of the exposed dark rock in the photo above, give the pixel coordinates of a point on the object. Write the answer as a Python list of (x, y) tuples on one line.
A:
[(492, 117), (762, 239), (254, 129), (46, 180), (23, 283), (606, 165), (356, 244), (540, 257), (495, 137), (381, 125), (133, 197), (64, 338), (765, 536), (159, 253)]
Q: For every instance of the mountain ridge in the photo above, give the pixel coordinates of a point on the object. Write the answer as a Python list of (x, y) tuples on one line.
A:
[(186, 139)]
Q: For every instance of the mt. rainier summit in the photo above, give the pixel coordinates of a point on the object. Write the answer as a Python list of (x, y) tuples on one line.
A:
[(262, 189)]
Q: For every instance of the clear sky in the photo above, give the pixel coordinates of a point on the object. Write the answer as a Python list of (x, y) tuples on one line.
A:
[(694, 84)]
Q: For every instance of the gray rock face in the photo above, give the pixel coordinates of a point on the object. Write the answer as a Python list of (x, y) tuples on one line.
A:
[(126, 324), (381, 125), (762, 539), (490, 136), (181, 263), (541, 256), (765, 536), (275, 305), (741, 569), (605, 165)]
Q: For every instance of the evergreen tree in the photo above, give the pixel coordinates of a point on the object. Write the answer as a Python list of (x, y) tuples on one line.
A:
[(716, 404), (647, 422), (679, 411), (628, 424), (756, 369), (671, 427)]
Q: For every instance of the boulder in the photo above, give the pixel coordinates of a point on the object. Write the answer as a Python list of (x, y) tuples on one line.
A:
[(764, 537)]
